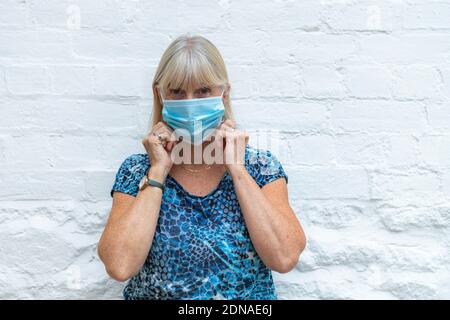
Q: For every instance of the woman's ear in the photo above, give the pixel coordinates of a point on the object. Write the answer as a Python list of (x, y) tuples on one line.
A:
[(157, 92), (226, 92)]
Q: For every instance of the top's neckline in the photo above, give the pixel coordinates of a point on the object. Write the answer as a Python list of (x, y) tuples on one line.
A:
[(225, 176)]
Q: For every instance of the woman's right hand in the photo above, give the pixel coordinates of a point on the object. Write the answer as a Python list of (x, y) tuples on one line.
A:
[(159, 149)]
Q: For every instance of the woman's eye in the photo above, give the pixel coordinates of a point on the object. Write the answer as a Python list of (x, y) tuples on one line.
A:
[(176, 92), (204, 90)]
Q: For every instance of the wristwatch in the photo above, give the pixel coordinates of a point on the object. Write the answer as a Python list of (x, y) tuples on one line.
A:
[(145, 181)]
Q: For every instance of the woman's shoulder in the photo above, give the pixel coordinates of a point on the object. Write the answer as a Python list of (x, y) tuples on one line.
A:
[(136, 161), (254, 154), (130, 172), (260, 157), (263, 165)]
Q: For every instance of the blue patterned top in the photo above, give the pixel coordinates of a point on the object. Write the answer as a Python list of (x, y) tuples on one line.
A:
[(201, 248)]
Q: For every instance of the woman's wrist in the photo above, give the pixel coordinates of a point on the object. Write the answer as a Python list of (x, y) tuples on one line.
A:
[(158, 173), (236, 169)]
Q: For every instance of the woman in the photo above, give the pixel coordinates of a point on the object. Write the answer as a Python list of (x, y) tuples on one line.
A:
[(202, 214)]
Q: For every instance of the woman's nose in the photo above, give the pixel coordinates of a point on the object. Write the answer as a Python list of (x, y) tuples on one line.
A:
[(190, 95)]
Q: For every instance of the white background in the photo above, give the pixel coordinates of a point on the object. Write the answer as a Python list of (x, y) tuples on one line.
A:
[(357, 93)]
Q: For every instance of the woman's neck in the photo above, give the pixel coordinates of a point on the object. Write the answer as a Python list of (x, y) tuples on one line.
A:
[(198, 155)]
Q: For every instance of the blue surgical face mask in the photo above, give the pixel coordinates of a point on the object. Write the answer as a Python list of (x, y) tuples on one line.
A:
[(194, 119)]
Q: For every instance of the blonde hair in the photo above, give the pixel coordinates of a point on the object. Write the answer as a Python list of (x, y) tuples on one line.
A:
[(189, 61)]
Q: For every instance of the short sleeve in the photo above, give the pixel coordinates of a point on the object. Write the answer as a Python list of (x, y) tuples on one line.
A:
[(130, 174), (264, 166)]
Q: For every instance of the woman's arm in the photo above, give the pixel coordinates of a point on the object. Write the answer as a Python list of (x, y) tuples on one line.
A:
[(128, 235), (274, 229)]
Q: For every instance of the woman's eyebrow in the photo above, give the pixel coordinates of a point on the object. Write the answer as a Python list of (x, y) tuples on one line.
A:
[(203, 87)]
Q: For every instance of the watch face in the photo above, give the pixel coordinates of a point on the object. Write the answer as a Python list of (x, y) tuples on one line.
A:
[(142, 182)]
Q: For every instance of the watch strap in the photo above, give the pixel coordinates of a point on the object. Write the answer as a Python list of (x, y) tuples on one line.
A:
[(155, 183)]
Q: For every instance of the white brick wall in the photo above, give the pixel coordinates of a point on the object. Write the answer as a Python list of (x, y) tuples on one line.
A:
[(358, 93)]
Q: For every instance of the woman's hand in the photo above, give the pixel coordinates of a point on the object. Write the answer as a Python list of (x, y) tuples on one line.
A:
[(233, 142), (159, 148)]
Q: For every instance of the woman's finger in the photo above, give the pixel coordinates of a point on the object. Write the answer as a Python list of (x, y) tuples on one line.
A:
[(161, 126), (169, 145), (157, 126), (165, 137), (166, 133), (227, 124), (165, 126)]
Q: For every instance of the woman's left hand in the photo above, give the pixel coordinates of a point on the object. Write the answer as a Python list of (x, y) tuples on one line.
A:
[(234, 142)]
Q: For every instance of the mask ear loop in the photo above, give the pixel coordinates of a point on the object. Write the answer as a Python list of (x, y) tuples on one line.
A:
[(223, 91)]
